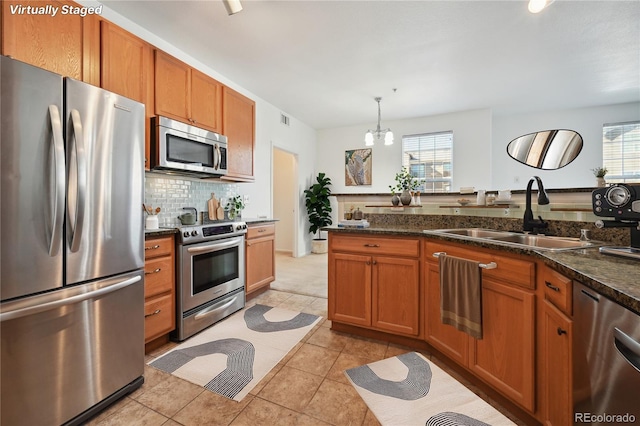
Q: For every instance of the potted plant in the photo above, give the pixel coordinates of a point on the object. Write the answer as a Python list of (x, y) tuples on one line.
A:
[(600, 173), (405, 182), (234, 207), (318, 210)]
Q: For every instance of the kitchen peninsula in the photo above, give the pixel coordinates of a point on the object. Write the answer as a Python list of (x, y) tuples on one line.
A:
[(378, 291)]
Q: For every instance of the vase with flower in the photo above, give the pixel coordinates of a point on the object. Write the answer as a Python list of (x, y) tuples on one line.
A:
[(406, 183)]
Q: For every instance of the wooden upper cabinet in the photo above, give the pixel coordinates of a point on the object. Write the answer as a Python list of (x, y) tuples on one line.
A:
[(126, 64), (238, 125), (66, 44), (186, 94), (126, 68), (206, 101)]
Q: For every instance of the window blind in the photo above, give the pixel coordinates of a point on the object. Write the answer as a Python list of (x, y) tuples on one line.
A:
[(429, 158), (621, 152)]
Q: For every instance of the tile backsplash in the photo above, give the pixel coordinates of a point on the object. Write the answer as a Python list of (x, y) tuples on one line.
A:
[(172, 193)]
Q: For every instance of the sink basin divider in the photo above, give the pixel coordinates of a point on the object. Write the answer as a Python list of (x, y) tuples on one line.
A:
[(490, 265)]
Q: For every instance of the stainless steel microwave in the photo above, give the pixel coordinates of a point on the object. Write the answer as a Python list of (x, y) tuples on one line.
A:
[(188, 150)]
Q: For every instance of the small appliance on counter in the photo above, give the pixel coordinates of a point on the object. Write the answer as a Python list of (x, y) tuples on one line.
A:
[(622, 202)]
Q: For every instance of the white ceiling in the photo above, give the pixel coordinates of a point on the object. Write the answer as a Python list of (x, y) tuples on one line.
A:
[(323, 62)]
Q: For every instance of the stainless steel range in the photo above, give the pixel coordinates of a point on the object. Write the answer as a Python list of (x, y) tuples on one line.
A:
[(211, 275)]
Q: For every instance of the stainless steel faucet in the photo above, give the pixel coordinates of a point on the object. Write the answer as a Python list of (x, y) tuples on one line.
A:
[(529, 224)]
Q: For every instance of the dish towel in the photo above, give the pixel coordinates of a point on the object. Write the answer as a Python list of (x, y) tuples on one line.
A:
[(461, 294)]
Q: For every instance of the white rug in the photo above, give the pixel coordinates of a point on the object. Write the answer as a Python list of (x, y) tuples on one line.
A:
[(408, 389), (232, 356)]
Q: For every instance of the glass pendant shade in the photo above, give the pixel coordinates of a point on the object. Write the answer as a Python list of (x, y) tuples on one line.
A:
[(368, 139), (388, 138)]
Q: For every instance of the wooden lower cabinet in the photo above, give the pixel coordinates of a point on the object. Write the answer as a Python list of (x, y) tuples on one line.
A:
[(444, 337), (159, 287), (504, 357), (260, 256), (377, 291), (555, 350)]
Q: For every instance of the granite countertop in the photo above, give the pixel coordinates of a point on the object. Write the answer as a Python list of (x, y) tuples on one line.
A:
[(253, 220), (615, 277), (159, 232)]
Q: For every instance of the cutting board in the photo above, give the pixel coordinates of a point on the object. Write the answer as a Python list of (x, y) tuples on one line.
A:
[(213, 205)]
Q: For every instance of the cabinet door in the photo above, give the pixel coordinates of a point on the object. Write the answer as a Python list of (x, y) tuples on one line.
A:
[(396, 295), (504, 356), (172, 86), (557, 367), (350, 288), (126, 68), (444, 337), (238, 123), (260, 262), (66, 44), (206, 101)]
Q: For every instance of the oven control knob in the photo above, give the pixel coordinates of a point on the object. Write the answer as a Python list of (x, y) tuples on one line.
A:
[(186, 234), (194, 233)]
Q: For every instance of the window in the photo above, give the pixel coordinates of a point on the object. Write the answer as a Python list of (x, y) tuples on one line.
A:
[(621, 152), (428, 157)]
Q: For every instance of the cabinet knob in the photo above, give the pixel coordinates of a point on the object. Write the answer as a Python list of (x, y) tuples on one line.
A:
[(374, 262), (368, 262), (561, 331)]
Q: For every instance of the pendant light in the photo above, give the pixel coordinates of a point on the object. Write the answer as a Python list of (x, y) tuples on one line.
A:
[(232, 6), (372, 135), (536, 6)]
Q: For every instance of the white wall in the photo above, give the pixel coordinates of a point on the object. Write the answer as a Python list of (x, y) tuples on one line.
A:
[(586, 121), (472, 150)]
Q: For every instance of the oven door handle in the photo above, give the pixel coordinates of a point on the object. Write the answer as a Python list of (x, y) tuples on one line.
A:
[(214, 247), (212, 309)]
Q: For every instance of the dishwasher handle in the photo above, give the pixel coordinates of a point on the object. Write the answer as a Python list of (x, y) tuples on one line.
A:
[(628, 347)]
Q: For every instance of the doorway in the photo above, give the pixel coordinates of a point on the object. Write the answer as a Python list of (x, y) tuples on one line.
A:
[(285, 200)]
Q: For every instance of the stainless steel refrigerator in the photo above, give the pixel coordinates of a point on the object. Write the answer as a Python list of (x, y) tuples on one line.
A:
[(72, 243)]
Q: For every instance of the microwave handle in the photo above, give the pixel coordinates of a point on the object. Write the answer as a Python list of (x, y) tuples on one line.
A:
[(216, 157)]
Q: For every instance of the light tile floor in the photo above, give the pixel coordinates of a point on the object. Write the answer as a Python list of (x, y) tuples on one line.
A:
[(307, 387)]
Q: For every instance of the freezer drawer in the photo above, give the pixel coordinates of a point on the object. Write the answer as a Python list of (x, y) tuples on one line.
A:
[(64, 352)]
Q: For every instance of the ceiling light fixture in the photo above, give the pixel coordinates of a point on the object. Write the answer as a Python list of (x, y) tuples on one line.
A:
[(388, 134), (232, 6), (536, 6)]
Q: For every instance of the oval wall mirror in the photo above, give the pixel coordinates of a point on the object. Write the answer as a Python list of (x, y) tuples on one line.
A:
[(546, 150)]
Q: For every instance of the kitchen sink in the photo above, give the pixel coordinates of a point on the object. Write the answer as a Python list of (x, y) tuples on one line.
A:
[(534, 242)]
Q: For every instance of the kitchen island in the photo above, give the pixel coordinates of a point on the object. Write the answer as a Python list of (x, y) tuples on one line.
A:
[(384, 283)]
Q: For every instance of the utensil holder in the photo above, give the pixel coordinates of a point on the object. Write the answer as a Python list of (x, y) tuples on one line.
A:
[(151, 222)]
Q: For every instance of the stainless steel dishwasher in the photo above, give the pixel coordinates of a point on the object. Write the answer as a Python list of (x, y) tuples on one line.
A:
[(606, 367)]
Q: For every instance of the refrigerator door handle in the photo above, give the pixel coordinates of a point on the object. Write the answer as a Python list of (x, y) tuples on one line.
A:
[(36, 307), (59, 179), (81, 181)]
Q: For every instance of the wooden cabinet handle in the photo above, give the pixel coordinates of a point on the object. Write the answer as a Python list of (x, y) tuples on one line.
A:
[(374, 262), (262, 230), (156, 312), (561, 331), (153, 247), (368, 262), (372, 245), (153, 272), (551, 286)]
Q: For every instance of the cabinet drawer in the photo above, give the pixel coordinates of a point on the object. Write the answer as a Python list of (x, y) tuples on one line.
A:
[(388, 246), (158, 276), (515, 271), (154, 247), (256, 231), (558, 290), (159, 317)]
